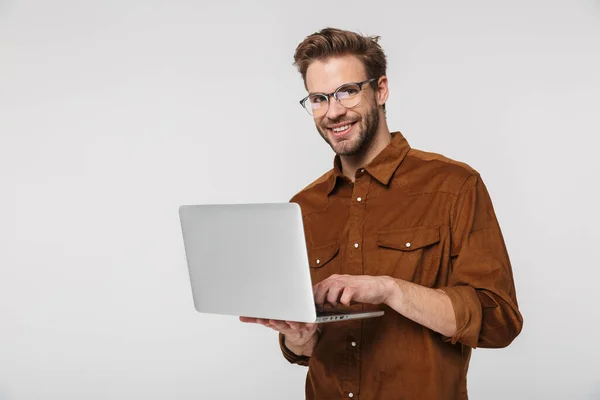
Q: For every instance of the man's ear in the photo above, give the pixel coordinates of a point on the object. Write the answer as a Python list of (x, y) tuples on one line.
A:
[(382, 90)]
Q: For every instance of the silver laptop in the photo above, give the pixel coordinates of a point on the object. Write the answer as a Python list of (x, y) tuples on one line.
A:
[(251, 260)]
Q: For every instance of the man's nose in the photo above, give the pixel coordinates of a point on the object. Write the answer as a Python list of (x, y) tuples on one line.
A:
[(335, 110)]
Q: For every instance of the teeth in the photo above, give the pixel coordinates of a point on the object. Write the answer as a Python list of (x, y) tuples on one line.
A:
[(341, 128)]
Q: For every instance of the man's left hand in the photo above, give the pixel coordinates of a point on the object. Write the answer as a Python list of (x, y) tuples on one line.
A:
[(347, 289)]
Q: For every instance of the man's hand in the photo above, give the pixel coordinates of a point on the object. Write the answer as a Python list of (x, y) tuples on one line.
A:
[(300, 337), (348, 289)]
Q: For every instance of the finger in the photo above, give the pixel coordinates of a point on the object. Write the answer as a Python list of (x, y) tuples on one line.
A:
[(309, 327), (347, 296), (334, 293), (294, 325), (299, 326), (321, 292), (248, 320), (279, 325), (263, 321)]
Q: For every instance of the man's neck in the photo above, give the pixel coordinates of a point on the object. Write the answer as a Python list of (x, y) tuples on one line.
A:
[(350, 164)]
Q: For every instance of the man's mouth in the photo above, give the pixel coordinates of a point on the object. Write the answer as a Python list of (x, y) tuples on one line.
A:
[(341, 130)]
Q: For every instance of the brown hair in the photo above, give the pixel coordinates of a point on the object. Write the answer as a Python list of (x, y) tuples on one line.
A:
[(332, 42)]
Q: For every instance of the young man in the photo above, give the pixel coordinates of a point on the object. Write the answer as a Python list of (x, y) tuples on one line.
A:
[(396, 229)]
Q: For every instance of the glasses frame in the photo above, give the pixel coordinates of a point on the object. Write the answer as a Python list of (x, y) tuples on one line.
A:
[(334, 94)]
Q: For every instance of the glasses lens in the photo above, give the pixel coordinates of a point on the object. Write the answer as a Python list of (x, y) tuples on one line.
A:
[(316, 105), (348, 95)]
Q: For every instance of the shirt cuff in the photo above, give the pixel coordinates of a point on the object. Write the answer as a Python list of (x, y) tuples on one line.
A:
[(468, 314), (289, 355)]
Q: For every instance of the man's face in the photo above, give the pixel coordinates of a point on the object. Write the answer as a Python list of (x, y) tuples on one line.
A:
[(347, 130)]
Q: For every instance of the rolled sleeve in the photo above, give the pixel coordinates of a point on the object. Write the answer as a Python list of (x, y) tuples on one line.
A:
[(481, 286), (467, 311), (290, 356)]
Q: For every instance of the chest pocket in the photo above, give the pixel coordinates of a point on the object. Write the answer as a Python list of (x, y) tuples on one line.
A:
[(410, 254), (324, 261)]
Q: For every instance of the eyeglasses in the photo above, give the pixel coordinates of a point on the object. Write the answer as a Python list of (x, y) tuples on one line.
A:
[(348, 95)]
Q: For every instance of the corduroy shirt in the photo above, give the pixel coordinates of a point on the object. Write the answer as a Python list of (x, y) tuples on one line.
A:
[(423, 218)]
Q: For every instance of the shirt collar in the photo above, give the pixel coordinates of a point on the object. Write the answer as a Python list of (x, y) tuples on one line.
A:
[(382, 167)]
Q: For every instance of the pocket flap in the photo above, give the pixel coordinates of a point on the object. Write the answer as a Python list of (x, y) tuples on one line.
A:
[(321, 255), (408, 239)]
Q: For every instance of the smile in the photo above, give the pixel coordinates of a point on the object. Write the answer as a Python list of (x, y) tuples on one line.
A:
[(342, 130)]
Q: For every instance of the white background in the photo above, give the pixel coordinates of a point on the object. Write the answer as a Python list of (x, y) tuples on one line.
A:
[(113, 113)]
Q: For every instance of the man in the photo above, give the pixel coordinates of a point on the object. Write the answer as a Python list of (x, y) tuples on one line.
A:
[(396, 229)]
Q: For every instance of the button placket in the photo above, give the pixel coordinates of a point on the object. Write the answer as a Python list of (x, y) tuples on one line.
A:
[(356, 222), (354, 266)]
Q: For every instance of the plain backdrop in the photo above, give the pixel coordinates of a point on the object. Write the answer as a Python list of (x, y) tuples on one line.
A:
[(114, 113)]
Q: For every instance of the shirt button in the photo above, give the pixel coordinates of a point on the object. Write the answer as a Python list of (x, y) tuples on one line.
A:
[(356, 245), (353, 344), (359, 199), (408, 244), (350, 394), (318, 261)]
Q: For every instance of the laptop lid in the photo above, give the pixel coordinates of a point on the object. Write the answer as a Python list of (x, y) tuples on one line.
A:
[(248, 260)]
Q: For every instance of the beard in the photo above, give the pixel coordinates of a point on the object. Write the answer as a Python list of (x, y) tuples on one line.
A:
[(367, 127)]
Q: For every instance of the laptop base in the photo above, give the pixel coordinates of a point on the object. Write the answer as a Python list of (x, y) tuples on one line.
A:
[(326, 317)]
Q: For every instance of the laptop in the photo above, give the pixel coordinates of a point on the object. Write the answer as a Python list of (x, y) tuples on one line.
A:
[(251, 260)]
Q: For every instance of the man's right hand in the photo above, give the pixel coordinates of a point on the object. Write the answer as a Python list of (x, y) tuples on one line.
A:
[(300, 337)]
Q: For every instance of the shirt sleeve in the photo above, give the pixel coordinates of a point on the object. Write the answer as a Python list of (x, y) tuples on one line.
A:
[(481, 286), (290, 356)]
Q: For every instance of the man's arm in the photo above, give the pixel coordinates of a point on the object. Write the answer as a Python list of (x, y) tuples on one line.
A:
[(478, 307), (431, 308), (481, 286), (296, 339)]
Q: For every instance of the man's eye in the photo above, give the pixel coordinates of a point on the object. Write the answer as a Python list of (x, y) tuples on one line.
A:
[(318, 99), (346, 93)]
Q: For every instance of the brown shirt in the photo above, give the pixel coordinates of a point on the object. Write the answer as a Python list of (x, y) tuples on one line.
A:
[(423, 218)]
